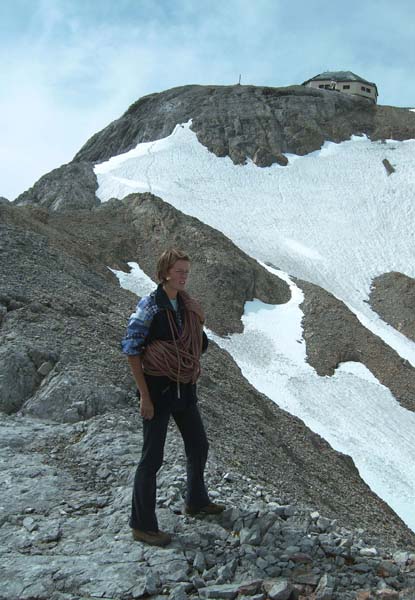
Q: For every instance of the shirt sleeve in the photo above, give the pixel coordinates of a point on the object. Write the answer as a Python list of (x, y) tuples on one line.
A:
[(133, 343)]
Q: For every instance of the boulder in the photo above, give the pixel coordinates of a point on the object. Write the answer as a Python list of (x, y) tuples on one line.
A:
[(66, 188), (18, 377), (68, 398)]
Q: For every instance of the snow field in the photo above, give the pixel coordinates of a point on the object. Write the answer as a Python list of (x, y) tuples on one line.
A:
[(332, 217)]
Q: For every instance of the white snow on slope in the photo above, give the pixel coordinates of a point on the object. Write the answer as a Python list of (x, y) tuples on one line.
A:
[(351, 410), (334, 218)]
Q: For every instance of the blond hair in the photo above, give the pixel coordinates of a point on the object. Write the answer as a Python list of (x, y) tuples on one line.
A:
[(167, 260)]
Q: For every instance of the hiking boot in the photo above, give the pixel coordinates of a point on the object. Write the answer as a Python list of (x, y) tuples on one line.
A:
[(154, 538), (209, 509)]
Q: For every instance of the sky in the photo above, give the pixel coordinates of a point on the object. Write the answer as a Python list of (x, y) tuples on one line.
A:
[(70, 67)]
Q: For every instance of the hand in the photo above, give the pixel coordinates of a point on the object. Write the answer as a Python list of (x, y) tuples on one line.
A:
[(146, 408)]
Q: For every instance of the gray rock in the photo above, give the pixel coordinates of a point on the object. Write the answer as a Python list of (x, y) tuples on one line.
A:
[(273, 570), (18, 377), (199, 562), (362, 567), (388, 167), (401, 558), (139, 589), (3, 312), (264, 158), (227, 571), (66, 188), (368, 552), (218, 258), (280, 590), (67, 399), (228, 591), (323, 314), (305, 577), (325, 587), (392, 296), (198, 582), (240, 121), (250, 588), (70, 531), (323, 524), (30, 524), (178, 593), (45, 368), (250, 536)]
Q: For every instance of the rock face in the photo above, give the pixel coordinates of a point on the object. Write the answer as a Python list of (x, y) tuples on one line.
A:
[(392, 296), (223, 277), (55, 314), (69, 187), (333, 335), (18, 377), (259, 123), (247, 121)]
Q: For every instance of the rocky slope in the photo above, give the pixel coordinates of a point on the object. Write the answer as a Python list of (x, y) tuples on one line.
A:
[(392, 296), (334, 335), (246, 121), (260, 123), (65, 502), (63, 317)]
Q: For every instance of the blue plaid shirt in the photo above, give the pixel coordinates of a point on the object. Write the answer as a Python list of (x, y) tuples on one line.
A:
[(139, 325)]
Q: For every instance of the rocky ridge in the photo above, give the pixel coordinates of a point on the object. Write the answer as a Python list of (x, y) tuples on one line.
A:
[(70, 539), (242, 122), (65, 188)]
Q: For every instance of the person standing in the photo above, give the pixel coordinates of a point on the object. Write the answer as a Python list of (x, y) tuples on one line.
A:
[(163, 343)]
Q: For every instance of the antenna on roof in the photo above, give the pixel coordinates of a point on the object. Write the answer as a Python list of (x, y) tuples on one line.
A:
[(239, 82)]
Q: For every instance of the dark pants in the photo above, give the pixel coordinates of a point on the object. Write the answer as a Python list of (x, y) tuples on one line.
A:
[(189, 422)]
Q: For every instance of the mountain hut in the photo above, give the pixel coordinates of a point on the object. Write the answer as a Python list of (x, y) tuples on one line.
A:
[(346, 82)]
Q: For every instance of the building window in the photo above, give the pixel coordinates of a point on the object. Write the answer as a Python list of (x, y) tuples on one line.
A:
[(365, 89), (321, 86), (346, 87)]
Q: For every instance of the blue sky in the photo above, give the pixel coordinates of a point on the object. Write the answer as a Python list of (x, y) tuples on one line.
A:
[(69, 67)]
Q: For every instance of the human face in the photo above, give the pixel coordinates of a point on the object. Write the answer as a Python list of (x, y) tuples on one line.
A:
[(177, 275)]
